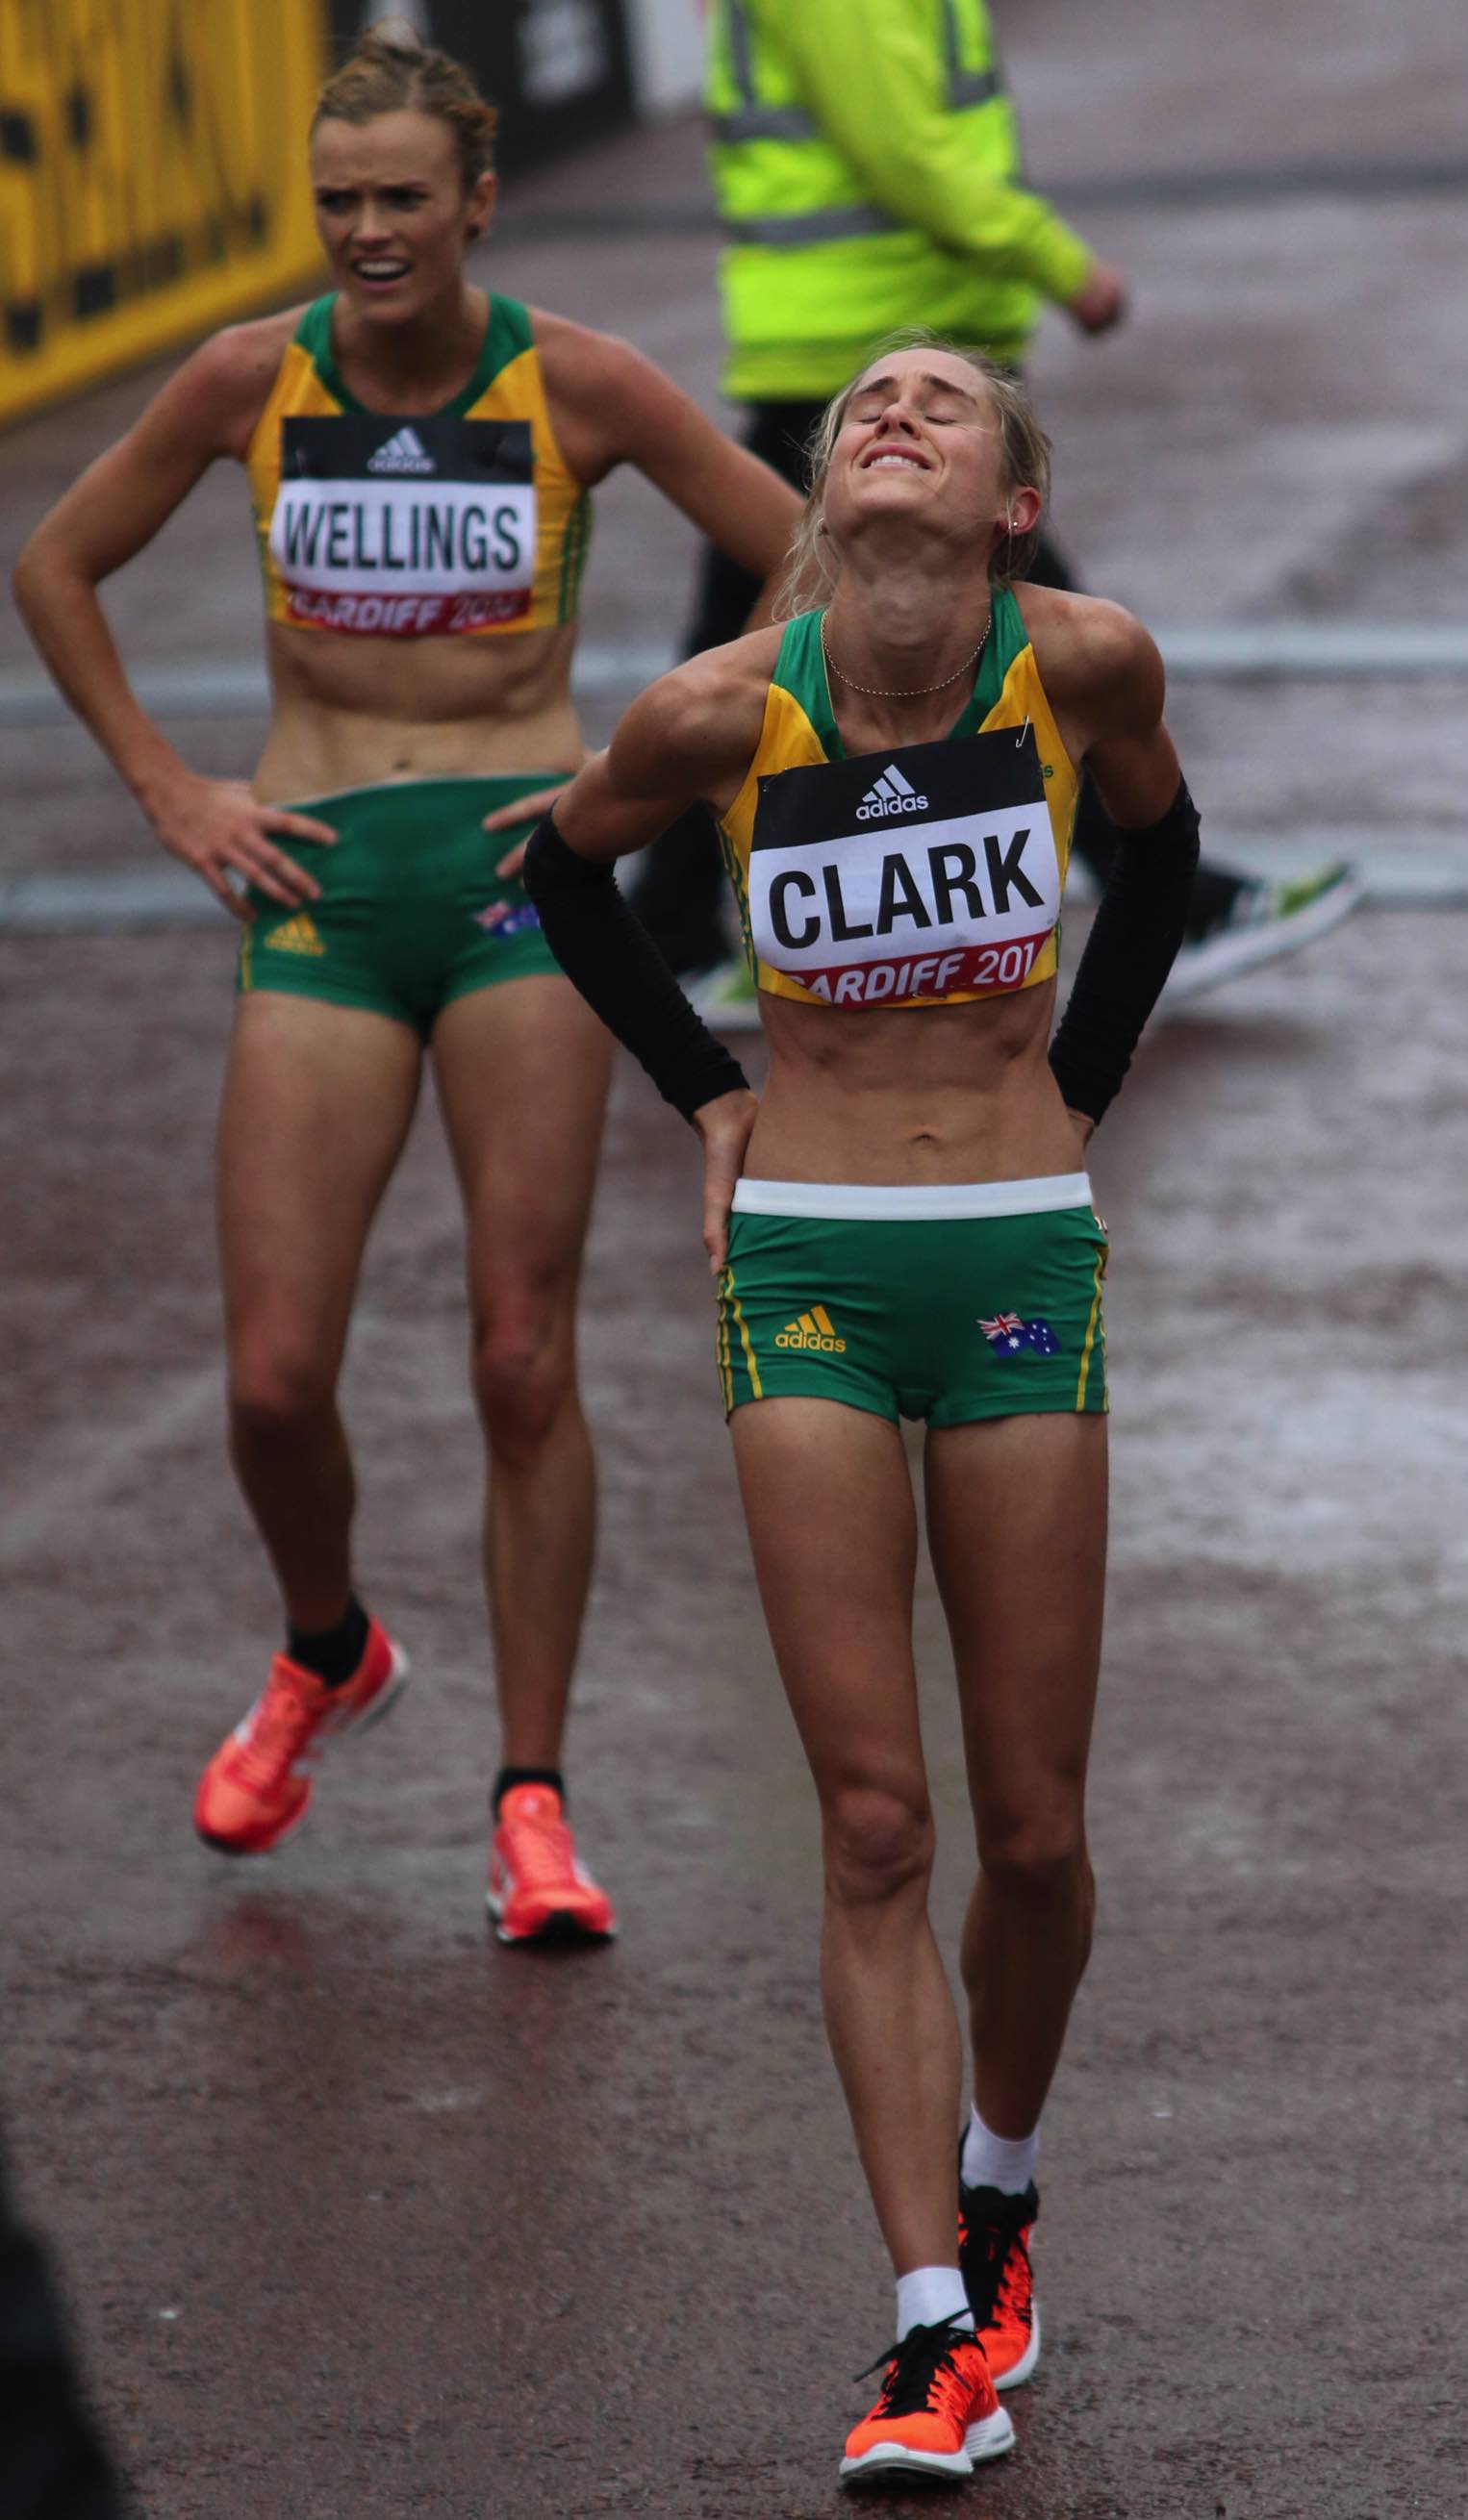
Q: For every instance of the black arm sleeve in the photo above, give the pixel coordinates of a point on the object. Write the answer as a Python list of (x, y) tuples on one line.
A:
[(1135, 935), (602, 945)]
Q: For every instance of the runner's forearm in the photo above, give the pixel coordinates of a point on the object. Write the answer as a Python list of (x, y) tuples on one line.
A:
[(1135, 936), (604, 949)]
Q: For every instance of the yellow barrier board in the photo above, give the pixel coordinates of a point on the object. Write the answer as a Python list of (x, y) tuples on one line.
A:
[(152, 177)]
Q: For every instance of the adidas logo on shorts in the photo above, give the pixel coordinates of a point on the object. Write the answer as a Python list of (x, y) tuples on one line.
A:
[(891, 793), (814, 1329), (404, 453), (297, 936)]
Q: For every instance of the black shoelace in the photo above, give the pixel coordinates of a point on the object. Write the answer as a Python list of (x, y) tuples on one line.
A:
[(914, 2364)]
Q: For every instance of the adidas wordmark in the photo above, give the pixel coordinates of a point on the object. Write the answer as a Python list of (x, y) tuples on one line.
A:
[(814, 1329), (891, 793)]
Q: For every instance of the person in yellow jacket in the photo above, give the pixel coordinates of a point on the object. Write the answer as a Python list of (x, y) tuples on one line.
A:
[(866, 161)]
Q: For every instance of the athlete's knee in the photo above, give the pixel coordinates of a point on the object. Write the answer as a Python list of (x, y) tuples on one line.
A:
[(275, 1389), (523, 1379), (877, 1845), (1039, 1855)]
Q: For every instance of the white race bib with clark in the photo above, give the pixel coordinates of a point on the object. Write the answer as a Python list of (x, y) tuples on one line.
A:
[(402, 526), (923, 872)]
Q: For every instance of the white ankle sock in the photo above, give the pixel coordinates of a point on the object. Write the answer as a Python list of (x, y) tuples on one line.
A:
[(929, 2294), (1005, 2162)]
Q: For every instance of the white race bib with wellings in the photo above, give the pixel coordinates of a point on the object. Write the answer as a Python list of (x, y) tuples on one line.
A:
[(927, 872), (405, 526)]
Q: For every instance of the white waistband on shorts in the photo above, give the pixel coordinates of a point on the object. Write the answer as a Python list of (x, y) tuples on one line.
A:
[(913, 1201)]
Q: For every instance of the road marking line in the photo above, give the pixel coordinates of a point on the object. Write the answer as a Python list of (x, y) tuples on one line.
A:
[(1199, 651), (76, 1470), (81, 1466)]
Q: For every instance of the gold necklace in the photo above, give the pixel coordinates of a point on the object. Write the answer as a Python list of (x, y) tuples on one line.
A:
[(871, 692)]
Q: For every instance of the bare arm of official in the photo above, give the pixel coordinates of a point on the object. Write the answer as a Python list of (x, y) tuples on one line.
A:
[(109, 515)]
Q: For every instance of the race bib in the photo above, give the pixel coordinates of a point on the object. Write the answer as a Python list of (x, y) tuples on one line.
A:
[(405, 527), (925, 872)]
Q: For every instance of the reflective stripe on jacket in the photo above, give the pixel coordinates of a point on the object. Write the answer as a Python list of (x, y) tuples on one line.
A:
[(866, 164)]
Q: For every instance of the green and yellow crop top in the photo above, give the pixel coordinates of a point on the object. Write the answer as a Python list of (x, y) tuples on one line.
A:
[(468, 522), (916, 878)]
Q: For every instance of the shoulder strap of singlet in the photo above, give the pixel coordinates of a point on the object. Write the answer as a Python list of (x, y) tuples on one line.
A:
[(507, 334), (507, 337), (801, 670), (1007, 639), (314, 330)]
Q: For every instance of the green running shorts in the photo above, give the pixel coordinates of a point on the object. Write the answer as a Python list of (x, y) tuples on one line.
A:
[(412, 913), (947, 1302)]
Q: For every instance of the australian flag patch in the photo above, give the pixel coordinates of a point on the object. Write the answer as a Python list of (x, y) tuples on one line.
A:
[(1009, 1335), (504, 918)]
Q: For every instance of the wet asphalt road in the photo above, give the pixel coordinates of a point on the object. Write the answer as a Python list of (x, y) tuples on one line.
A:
[(364, 2217)]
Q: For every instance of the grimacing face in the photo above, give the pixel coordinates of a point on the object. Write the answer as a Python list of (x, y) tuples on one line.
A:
[(392, 212), (920, 437)]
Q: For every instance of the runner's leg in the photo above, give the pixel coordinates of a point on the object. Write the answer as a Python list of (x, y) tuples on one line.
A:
[(523, 1069), (828, 1501), (318, 1103), (1017, 1529)]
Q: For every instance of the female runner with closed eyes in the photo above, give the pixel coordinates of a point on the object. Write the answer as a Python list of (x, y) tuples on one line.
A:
[(901, 1226), (419, 455)]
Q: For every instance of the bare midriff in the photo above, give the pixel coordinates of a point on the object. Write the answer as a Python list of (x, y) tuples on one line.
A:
[(911, 1094), (355, 712)]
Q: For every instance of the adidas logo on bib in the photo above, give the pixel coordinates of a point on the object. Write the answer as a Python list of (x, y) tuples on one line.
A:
[(404, 453), (891, 793)]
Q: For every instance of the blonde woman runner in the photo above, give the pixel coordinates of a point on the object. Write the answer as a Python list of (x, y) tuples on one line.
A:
[(419, 455), (903, 1227)]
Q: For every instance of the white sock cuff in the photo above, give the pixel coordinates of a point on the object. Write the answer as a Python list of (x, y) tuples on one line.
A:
[(929, 2294), (989, 2160)]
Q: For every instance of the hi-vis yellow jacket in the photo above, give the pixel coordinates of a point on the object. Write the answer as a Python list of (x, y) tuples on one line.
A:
[(866, 164)]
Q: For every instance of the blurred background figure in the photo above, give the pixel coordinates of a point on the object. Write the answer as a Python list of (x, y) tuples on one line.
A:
[(52, 2465), (867, 168)]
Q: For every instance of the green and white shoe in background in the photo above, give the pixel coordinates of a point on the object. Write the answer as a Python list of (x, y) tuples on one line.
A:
[(1262, 920), (726, 997)]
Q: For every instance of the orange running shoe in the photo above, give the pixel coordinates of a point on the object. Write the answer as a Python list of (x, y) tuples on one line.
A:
[(994, 2251), (936, 2412), (537, 1890), (258, 1786)]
